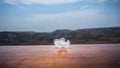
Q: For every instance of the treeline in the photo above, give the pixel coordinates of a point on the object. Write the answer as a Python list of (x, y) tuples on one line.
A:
[(81, 36)]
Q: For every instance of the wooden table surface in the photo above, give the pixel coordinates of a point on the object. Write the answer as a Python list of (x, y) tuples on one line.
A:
[(46, 56)]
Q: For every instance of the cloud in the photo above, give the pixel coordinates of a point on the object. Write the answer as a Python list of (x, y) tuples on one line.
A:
[(50, 2), (46, 2), (94, 1), (87, 18), (10, 1), (101, 1), (75, 19)]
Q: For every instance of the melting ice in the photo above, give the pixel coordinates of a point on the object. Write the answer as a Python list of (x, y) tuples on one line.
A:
[(62, 43)]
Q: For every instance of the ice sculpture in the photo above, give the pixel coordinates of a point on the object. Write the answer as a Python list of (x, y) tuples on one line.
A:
[(62, 43)]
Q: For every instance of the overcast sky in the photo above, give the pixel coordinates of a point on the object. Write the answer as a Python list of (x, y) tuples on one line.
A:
[(50, 15)]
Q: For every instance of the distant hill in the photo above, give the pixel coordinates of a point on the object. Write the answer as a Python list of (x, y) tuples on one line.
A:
[(81, 36)]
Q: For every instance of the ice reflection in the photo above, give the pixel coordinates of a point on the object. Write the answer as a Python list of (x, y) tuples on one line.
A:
[(62, 51)]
